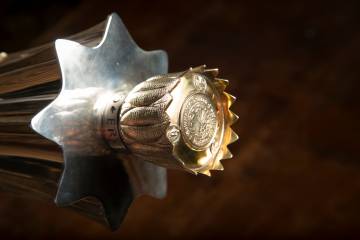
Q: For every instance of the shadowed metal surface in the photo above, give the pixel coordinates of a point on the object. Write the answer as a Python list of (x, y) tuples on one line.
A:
[(116, 64), (295, 172), (90, 168)]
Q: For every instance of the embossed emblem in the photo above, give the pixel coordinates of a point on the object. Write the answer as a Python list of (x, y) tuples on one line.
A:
[(173, 133), (198, 121), (200, 82)]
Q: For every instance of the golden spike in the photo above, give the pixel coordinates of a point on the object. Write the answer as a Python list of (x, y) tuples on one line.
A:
[(192, 171), (198, 69), (221, 84), (230, 99), (227, 154), (233, 117), (206, 172), (233, 137), (218, 166), (212, 72)]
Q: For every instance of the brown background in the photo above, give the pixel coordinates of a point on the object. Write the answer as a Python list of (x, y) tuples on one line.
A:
[(295, 70)]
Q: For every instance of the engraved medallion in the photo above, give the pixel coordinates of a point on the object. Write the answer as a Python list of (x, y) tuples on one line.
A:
[(198, 121)]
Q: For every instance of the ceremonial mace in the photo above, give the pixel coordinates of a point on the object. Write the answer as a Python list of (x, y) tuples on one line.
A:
[(119, 121)]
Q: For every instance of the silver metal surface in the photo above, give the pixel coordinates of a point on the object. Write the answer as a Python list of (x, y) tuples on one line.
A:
[(91, 78), (118, 113)]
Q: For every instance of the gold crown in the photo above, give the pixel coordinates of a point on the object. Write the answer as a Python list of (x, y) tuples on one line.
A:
[(180, 120)]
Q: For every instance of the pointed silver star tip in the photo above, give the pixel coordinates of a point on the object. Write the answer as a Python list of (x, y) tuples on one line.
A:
[(88, 73), (41, 123), (35, 122), (62, 45)]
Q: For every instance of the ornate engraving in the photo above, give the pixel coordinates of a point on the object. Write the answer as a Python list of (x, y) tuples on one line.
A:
[(144, 121), (200, 82), (198, 121), (110, 121), (173, 133)]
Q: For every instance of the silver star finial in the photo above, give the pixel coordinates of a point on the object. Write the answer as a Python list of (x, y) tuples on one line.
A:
[(88, 74)]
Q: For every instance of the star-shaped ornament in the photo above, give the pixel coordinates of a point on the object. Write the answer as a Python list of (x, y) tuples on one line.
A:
[(91, 168)]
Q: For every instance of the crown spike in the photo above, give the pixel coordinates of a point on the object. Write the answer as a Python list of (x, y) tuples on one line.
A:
[(206, 172), (230, 99), (212, 72), (221, 84), (234, 137), (233, 117), (198, 69), (227, 154), (218, 166)]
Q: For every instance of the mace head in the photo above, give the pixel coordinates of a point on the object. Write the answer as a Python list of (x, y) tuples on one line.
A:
[(115, 114), (180, 120)]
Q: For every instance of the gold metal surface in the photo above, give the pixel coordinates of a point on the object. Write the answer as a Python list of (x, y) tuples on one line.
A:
[(117, 123), (195, 82), (180, 120)]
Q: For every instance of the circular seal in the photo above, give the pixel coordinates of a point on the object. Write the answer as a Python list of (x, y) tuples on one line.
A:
[(198, 121)]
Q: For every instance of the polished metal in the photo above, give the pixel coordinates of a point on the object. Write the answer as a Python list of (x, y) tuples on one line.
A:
[(92, 70), (121, 120), (180, 120), (91, 77)]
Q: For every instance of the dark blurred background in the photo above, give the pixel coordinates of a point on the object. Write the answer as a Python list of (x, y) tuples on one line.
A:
[(295, 68)]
